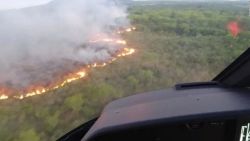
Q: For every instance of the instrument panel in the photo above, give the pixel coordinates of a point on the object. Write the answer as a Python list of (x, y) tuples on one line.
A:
[(228, 130)]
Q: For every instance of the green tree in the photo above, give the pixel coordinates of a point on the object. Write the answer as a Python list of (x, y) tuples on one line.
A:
[(75, 102), (28, 135), (52, 121), (133, 82)]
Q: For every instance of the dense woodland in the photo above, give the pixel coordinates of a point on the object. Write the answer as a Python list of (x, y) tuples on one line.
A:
[(175, 43)]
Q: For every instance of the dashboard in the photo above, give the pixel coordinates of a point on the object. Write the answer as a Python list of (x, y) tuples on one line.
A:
[(228, 130), (209, 113)]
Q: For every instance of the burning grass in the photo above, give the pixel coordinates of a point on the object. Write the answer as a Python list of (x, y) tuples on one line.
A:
[(80, 72)]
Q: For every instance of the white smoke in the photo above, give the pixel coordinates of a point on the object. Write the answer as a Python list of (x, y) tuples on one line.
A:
[(37, 42)]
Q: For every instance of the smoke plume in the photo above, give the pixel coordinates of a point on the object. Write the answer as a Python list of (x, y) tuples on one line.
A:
[(38, 43)]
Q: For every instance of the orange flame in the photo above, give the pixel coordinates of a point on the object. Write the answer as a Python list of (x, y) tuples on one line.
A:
[(130, 29), (3, 97), (126, 52), (39, 91)]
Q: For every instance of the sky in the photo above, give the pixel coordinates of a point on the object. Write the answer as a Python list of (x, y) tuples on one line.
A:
[(16, 4)]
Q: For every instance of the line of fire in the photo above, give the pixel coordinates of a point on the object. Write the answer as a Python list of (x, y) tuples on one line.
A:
[(7, 93)]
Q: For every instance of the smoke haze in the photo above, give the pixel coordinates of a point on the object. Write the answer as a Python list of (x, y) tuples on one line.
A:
[(39, 42)]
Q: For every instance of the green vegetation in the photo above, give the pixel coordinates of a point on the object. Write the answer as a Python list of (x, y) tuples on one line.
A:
[(175, 43)]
